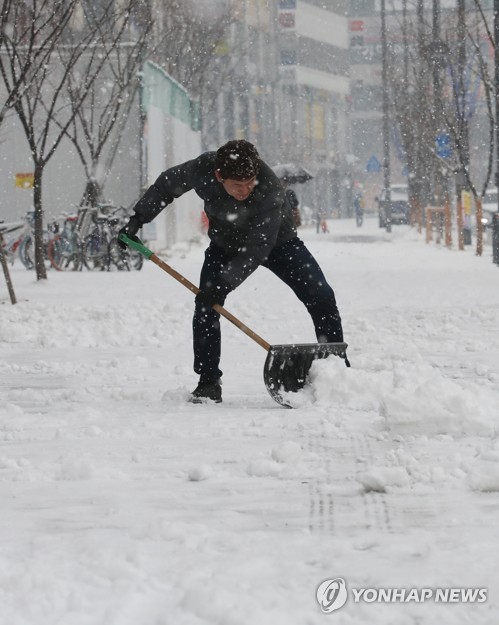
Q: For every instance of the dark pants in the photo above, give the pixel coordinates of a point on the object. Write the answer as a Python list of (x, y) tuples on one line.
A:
[(296, 267)]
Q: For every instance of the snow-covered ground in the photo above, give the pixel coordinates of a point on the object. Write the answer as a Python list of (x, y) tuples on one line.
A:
[(121, 504)]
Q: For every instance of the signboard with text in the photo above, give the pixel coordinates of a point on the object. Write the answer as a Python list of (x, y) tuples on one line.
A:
[(24, 180)]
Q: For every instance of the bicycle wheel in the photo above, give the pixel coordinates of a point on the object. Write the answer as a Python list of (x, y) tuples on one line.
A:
[(63, 254), (27, 252), (125, 260), (136, 259), (118, 256), (96, 251)]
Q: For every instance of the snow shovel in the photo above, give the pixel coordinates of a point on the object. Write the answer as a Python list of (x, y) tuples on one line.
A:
[(287, 366)]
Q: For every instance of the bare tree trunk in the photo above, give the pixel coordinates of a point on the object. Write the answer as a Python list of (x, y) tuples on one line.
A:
[(463, 138), (421, 98), (386, 121), (92, 194), (41, 271), (460, 221), (479, 226), (447, 219)]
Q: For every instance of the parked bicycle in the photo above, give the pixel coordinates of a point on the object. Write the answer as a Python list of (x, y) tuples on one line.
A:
[(12, 235), (65, 249), (85, 239), (20, 237), (100, 249)]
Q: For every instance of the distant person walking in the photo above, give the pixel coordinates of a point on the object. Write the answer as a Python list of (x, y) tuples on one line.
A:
[(320, 221), (358, 205)]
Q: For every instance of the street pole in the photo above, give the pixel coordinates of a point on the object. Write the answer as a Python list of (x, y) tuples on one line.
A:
[(386, 133), (495, 222), (421, 166), (496, 84), (411, 178), (437, 99)]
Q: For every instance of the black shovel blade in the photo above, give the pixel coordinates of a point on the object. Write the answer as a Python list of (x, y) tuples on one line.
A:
[(287, 366)]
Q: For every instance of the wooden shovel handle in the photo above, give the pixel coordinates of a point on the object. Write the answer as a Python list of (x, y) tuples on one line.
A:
[(222, 311)]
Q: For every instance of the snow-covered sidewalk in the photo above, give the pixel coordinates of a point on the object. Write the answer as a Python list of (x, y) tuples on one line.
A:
[(124, 505)]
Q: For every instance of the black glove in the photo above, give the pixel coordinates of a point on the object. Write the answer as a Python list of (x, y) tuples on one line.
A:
[(132, 227), (213, 294)]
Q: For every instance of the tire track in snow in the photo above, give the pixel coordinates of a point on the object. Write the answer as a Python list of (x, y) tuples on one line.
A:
[(321, 517), (377, 512), (338, 462)]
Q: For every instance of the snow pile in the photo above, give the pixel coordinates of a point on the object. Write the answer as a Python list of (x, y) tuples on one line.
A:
[(288, 451), (411, 396), (380, 478), (200, 473), (285, 460)]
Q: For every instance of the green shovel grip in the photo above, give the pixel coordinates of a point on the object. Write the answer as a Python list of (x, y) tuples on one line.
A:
[(136, 245)]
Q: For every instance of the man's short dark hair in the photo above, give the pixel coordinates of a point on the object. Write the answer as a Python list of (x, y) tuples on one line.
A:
[(237, 160)]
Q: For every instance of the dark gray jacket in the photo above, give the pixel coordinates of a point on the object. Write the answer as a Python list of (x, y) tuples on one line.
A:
[(247, 231)]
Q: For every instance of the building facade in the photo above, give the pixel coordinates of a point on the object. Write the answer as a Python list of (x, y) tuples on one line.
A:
[(313, 48), (288, 91)]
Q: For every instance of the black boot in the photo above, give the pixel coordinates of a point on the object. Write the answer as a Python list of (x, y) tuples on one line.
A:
[(207, 390)]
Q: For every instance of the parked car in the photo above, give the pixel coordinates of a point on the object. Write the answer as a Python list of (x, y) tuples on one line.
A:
[(399, 201), (489, 207)]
